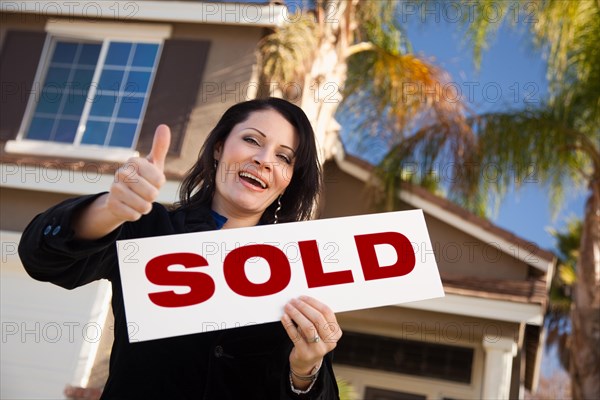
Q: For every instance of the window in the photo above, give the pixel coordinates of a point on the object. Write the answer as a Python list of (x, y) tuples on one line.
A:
[(383, 394), (450, 363), (97, 91), (93, 93)]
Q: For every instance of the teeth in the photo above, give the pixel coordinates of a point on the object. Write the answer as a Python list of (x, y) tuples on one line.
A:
[(247, 175)]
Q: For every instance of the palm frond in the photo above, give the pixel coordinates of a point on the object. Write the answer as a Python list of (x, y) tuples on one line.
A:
[(568, 31), (404, 91), (380, 26), (286, 53), (500, 151), (483, 20)]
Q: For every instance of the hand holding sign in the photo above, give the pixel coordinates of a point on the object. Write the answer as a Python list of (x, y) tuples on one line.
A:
[(138, 181), (313, 328)]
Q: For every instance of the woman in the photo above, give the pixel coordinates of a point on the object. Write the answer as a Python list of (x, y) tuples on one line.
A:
[(258, 166)]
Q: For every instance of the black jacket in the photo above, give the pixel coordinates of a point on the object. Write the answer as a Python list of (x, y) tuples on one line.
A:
[(239, 364)]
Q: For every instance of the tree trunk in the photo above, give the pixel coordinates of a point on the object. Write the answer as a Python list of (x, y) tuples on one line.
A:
[(321, 93), (585, 312)]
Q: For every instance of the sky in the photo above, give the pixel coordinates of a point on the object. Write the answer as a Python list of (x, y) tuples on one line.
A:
[(511, 74)]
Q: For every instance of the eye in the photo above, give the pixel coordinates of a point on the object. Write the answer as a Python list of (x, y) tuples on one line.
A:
[(285, 158), (250, 139)]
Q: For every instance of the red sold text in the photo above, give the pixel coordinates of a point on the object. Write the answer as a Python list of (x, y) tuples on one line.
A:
[(202, 286)]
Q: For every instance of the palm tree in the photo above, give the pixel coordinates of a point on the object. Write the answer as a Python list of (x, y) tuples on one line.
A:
[(353, 50), (561, 289), (558, 141), (358, 52)]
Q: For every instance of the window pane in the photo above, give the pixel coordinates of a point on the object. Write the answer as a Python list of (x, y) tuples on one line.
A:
[(122, 135), (49, 102), (89, 54), (137, 82), (110, 80), (64, 52), (74, 103), (57, 77), (118, 53), (131, 107), (66, 130), (145, 54), (95, 133), (82, 79), (103, 106), (40, 128)]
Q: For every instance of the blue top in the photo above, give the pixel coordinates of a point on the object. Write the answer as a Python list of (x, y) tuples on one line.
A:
[(219, 219)]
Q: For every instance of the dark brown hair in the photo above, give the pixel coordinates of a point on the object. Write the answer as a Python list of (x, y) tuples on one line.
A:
[(299, 199)]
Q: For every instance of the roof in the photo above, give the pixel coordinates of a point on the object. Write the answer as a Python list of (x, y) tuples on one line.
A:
[(230, 13), (455, 215), (527, 291)]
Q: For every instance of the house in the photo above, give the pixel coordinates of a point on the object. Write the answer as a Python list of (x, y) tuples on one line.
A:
[(83, 86)]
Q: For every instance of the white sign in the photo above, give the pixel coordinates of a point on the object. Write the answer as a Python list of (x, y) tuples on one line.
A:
[(197, 282)]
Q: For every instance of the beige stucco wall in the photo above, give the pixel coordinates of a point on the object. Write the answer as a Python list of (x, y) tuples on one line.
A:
[(457, 253), (18, 207)]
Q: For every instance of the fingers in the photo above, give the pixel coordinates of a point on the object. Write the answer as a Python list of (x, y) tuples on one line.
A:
[(134, 189), (137, 182), (160, 147), (290, 328), (306, 318)]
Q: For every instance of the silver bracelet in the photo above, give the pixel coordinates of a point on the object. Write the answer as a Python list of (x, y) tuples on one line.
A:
[(300, 391), (312, 378)]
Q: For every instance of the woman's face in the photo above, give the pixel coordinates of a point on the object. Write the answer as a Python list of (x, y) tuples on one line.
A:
[(256, 164)]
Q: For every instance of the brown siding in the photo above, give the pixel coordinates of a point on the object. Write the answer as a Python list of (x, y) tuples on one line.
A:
[(174, 92), (19, 61)]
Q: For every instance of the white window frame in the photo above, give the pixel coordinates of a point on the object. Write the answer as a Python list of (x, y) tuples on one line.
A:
[(99, 31)]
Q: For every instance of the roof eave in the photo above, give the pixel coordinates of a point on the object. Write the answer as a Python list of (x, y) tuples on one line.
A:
[(255, 15)]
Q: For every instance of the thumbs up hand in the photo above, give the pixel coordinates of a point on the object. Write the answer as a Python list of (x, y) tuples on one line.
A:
[(138, 181), (160, 147)]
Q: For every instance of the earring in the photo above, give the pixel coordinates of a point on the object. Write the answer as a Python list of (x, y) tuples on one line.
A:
[(278, 208), (216, 163)]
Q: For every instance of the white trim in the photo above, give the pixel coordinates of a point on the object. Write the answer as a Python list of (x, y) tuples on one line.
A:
[(499, 310), (268, 15), (89, 349), (53, 149), (109, 30), (519, 252), (67, 178), (499, 354), (502, 344)]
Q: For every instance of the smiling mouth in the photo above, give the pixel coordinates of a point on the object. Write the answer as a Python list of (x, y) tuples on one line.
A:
[(253, 180)]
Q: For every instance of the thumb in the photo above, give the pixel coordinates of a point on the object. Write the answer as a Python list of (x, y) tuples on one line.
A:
[(160, 146)]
